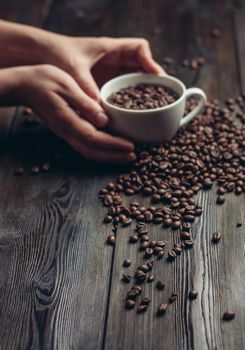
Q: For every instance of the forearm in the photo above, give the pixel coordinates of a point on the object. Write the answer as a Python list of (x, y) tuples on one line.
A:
[(24, 45)]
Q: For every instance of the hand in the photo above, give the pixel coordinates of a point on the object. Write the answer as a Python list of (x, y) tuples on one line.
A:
[(69, 112), (92, 61)]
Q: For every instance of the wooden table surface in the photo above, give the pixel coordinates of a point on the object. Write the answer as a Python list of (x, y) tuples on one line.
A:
[(60, 283)]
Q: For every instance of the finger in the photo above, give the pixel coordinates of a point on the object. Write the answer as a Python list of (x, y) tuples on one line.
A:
[(87, 83), (135, 49), (68, 123), (102, 155), (144, 57), (88, 108), (85, 132)]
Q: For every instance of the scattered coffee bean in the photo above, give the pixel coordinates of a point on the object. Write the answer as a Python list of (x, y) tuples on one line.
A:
[(239, 224), (140, 276), (228, 315), (167, 60), (46, 167), (145, 301), (111, 240), (216, 237), (126, 278), (172, 297), (35, 170), (27, 111), (150, 278), (185, 235), (220, 199), (216, 33), (134, 292), (160, 285), (126, 262), (142, 308), (189, 243), (160, 254), (129, 304), (144, 268), (148, 252), (161, 309), (193, 294), (171, 255), (19, 171), (143, 96), (133, 239)]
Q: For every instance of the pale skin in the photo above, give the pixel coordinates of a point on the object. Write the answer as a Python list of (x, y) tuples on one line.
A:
[(59, 78)]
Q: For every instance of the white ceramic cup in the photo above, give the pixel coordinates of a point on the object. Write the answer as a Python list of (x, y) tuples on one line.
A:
[(150, 125)]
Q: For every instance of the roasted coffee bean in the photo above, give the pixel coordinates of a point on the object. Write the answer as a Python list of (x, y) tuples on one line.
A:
[(216, 33), (148, 252), (189, 218), (145, 301), (228, 315), (107, 219), (239, 224), (126, 262), (186, 226), (144, 268), (111, 240), (143, 96), (19, 170), (220, 199), (160, 254), (160, 285), (127, 222), (161, 309), (185, 235), (177, 249), (216, 237), (157, 249), (46, 166), (133, 239), (144, 245), (126, 278), (176, 225), (35, 170), (172, 297), (129, 304), (144, 238), (150, 278), (27, 111), (134, 292), (140, 276), (193, 294), (189, 243), (171, 255), (142, 308), (150, 264)]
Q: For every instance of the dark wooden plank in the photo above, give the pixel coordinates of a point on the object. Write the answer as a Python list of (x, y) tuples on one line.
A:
[(216, 272), (25, 11), (54, 269)]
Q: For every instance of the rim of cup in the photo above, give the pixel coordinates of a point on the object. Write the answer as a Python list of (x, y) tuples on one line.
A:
[(142, 111)]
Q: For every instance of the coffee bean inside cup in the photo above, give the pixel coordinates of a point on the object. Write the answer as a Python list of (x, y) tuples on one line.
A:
[(143, 96)]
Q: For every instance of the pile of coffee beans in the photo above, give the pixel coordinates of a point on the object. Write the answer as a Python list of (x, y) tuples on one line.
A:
[(210, 149), (143, 96)]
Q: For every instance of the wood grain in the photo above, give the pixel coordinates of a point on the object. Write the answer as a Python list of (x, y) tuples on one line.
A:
[(214, 271), (54, 268)]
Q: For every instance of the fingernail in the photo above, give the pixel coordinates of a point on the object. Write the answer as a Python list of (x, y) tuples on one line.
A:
[(103, 119)]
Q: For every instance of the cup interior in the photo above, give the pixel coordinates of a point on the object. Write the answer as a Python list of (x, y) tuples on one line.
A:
[(131, 79)]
